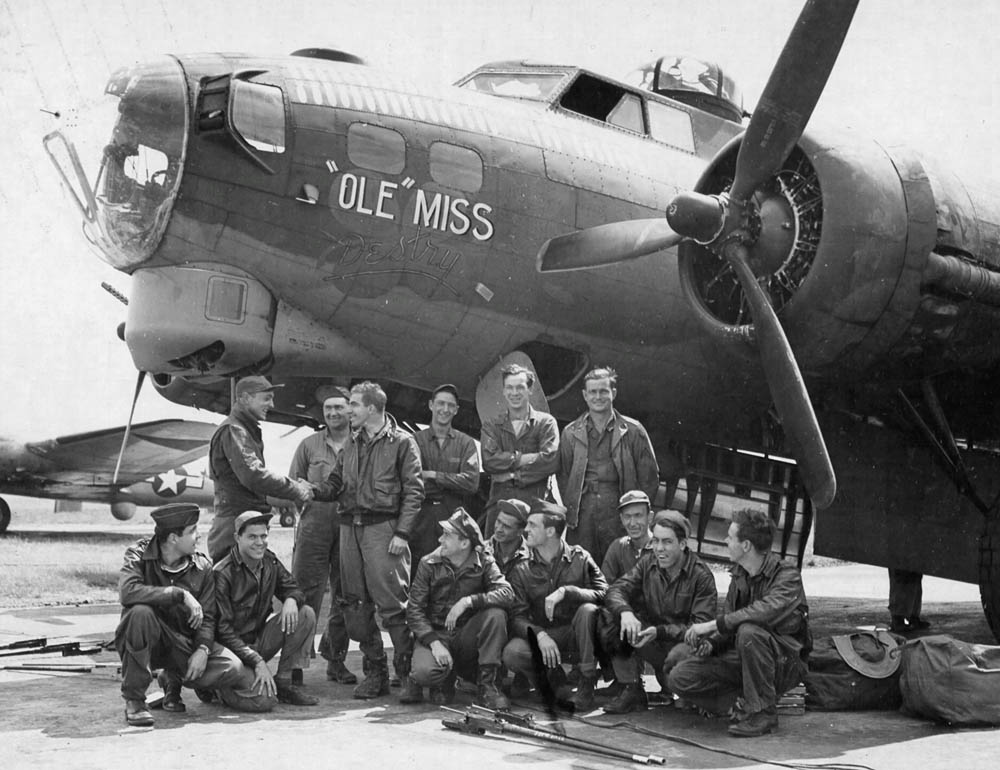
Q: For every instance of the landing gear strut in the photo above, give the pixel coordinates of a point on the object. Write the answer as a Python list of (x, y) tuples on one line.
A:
[(989, 541)]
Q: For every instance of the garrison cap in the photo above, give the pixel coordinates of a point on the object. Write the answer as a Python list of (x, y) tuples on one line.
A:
[(519, 509), (463, 525), (673, 517), (548, 507), (256, 384), (175, 516), (634, 496), (251, 517)]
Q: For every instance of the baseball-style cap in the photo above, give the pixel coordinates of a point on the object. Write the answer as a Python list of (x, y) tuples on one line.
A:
[(634, 496), (463, 525), (251, 517), (175, 516), (675, 517), (256, 384), (519, 509), (446, 388)]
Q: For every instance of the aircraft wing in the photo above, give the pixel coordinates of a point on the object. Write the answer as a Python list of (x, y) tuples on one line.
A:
[(152, 447)]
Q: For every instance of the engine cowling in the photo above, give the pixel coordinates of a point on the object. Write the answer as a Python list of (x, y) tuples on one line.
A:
[(851, 237)]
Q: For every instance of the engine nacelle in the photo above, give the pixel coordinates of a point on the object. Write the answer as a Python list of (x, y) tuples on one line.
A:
[(852, 238), (123, 511)]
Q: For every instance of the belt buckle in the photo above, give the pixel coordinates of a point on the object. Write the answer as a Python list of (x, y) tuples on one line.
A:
[(358, 521)]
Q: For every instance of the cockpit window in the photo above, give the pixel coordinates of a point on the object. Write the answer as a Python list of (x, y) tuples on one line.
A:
[(627, 113), (670, 125), (533, 86), (259, 115), (604, 101)]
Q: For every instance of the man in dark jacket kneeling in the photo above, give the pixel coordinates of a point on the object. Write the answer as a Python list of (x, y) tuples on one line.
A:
[(168, 617), (457, 612), (246, 580), (758, 646)]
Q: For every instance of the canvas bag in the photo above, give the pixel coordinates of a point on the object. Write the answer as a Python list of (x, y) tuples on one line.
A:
[(951, 681), (855, 672)]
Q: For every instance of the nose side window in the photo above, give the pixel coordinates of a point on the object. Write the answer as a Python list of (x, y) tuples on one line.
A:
[(259, 115)]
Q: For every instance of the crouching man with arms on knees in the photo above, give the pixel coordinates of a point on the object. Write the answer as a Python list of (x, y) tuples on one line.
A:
[(246, 580), (457, 612), (758, 646), (556, 593), (167, 593), (649, 609)]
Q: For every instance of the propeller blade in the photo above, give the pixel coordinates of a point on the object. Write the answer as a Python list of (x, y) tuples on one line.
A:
[(606, 245), (791, 93), (128, 426), (787, 387)]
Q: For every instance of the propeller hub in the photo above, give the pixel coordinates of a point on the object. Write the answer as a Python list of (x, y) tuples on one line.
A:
[(775, 237), (698, 217)]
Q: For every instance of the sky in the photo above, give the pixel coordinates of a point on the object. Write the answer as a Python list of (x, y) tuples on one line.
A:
[(920, 72)]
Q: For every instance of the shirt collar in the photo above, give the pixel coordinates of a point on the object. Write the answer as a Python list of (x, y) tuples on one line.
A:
[(476, 557), (768, 568), (529, 418), (687, 563), (522, 548), (565, 552), (244, 417)]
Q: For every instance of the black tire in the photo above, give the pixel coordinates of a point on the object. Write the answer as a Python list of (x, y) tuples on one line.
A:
[(989, 573), (4, 515)]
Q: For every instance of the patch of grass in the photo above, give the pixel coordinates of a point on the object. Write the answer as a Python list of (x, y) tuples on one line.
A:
[(97, 578), (51, 568), (46, 570)]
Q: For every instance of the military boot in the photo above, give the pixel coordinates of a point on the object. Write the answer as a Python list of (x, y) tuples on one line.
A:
[(583, 699), (376, 681), (444, 693), (137, 713), (412, 692), (336, 671), (631, 698), (488, 695), (171, 685), (755, 724)]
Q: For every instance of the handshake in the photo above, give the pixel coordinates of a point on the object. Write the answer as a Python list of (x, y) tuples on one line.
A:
[(304, 491)]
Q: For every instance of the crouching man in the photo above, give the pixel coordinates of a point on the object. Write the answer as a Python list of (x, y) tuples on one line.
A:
[(167, 594), (556, 593), (758, 646), (458, 615), (649, 609), (246, 581)]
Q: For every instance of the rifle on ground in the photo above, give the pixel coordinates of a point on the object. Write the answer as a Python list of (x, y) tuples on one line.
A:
[(477, 720)]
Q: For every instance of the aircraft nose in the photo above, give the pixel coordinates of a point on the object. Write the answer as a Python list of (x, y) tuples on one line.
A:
[(127, 180)]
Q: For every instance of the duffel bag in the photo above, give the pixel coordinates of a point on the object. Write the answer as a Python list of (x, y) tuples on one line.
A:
[(951, 681), (854, 672)]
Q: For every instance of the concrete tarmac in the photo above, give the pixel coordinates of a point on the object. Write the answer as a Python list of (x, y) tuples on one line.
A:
[(63, 720)]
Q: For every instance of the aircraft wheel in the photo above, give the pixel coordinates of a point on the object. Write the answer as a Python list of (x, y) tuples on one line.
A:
[(989, 573), (287, 517), (4, 515)]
